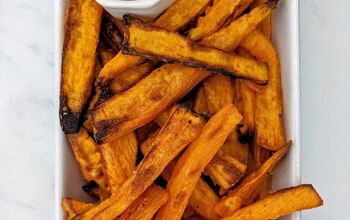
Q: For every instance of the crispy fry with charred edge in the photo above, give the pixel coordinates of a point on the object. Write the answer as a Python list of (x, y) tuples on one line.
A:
[(130, 77), (143, 102), (280, 203), (178, 15), (266, 25), (203, 199), (225, 169), (182, 128), (269, 132), (230, 37), (119, 160), (200, 102), (144, 39), (213, 20), (83, 18), (144, 207), (88, 156), (74, 207), (106, 56), (193, 161), (248, 188)]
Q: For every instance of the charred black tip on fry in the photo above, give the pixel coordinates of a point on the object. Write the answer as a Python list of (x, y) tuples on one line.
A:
[(70, 121)]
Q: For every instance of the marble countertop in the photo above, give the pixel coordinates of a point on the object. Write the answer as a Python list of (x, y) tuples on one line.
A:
[(27, 107)]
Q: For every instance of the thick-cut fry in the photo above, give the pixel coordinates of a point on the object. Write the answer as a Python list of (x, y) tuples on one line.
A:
[(147, 145), (119, 160), (230, 37), (249, 187), (193, 161), (269, 132), (203, 199), (129, 78), (88, 156), (200, 102), (74, 207), (212, 21), (181, 128), (82, 28), (225, 169), (280, 203), (144, 39), (106, 56), (143, 102), (146, 205), (218, 92), (178, 15), (245, 102), (162, 118), (266, 25)]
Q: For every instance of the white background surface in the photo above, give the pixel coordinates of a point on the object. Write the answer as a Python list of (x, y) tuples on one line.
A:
[(26, 107)]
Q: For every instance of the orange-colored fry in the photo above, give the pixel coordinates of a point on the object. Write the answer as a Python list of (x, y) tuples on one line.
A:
[(230, 37), (119, 160), (182, 128), (88, 156), (179, 14), (269, 132), (130, 77), (218, 91), (144, 207), (203, 199), (266, 25), (213, 19), (248, 188), (200, 102), (280, 203), (147, 40), (143, 102), (83, 18), (193, 161), (73, 207)]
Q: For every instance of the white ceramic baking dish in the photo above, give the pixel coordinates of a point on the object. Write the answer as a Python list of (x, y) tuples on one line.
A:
[(286, 38)]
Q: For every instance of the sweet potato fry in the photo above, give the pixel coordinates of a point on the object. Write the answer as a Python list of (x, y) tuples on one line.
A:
[(200, 102), (230, 37), (266, 25), (218, 92), (130, 77), (178, 15), (83, 18), (147, 145), (88, 156), (280, 203), (146, 40), (212, 21), (182, 127), (119, 160), (143, 102), (203, 199), (245, 102), (249, 186), (162, 118), (188, 213), (193, 161), (106, 56), (144, 207), (74, 207), (225, 169), (269, 132)]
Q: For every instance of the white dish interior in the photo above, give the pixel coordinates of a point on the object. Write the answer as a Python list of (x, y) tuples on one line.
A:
[(286, 38)]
